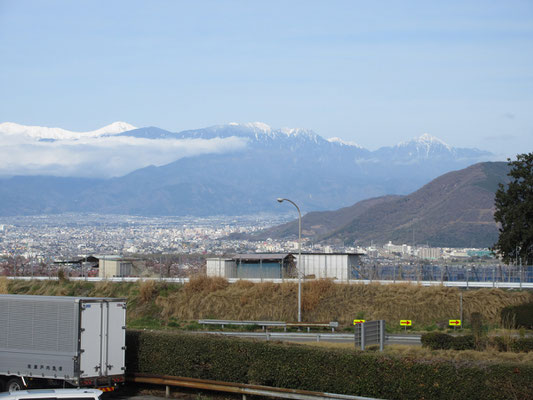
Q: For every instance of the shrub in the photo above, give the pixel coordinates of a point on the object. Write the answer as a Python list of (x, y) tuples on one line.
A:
[(522, 344), (518, 316), (437, 341), (62, 275), (476, 321), (463, 342), (516, 345), (443, 341), (322, 369)]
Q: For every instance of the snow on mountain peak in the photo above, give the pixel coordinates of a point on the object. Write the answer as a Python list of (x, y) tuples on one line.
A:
[(255, 126), (425, 140), (343, 142), (260, 128), (293, 131), (116, 127), (41, 132)]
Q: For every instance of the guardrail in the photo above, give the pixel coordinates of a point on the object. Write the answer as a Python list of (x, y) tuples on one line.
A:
[(269, 324), (237, 388), (344, 337)]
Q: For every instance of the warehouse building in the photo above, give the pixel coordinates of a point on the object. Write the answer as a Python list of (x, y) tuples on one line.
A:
[(118, 266), (251, 266), (341, 266)]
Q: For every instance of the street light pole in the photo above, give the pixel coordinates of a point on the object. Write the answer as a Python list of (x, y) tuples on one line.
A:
[(299, 256)]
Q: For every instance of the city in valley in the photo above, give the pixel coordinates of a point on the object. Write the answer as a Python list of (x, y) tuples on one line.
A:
[(179, 246)]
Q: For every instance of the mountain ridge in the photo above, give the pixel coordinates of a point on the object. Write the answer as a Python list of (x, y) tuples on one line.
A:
[(453, 210), (268, 163), (41, 132)]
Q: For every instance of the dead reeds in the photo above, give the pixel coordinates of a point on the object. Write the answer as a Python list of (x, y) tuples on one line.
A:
[(323, 301), (4, 289)]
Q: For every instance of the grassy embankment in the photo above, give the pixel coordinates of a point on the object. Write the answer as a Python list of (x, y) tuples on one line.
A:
[(153, 304)]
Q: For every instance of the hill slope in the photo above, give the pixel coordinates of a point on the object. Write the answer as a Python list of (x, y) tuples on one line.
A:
[(454, 210)]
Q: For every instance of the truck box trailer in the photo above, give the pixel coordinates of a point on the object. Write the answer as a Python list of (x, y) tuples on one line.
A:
[(61, 341)]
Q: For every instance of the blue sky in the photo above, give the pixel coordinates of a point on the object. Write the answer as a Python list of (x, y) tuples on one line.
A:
[(376, 73)]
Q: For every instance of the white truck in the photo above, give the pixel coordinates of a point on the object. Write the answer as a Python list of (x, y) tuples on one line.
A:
[(59, 341)]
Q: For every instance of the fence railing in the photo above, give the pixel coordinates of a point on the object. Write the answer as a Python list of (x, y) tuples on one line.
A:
[(445, 273), (271, 324), (504, 284), (238, 388)]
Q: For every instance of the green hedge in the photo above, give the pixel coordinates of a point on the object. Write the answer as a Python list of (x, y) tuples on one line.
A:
[(320, 369), (520, 316), (443, 341)]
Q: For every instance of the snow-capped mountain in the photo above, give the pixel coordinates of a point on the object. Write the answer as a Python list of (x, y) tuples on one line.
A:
[(344, 142), (41, 132), (427, 147), (235, 168), (257, 132)]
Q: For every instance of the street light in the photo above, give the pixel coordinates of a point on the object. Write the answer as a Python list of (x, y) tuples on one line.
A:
[(299, 256)]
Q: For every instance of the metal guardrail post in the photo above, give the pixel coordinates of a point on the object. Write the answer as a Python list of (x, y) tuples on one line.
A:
[(363, 336), (381, 335)]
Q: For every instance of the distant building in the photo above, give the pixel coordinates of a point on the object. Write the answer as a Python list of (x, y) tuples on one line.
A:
[(118, 266), (250, 266), (394, 248), (284, 265), (430, 253)]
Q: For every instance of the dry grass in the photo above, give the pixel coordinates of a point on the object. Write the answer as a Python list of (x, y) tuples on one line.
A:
[(263, 301), (147, 291), (324, 300), (3, 285)]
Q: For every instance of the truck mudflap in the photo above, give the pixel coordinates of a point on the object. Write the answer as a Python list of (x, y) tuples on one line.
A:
[(105, 384), (106, 388)]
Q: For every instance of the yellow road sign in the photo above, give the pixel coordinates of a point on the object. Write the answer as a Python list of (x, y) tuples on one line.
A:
[(405, 322), (358, 321), (455, 322)]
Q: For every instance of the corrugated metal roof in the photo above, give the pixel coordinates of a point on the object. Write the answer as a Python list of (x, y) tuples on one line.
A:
[(263, 256), (330, 254)]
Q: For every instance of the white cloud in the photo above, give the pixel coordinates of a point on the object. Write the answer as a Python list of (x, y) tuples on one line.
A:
[(105, 156)]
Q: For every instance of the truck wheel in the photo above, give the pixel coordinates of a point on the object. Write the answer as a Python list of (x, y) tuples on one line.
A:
[(14, 384)]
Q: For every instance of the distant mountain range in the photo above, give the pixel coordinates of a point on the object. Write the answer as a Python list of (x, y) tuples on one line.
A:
[(42, 132), (454, 210), (257, 165)]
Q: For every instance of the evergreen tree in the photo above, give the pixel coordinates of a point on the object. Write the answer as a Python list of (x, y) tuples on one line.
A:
[(514, 212)]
